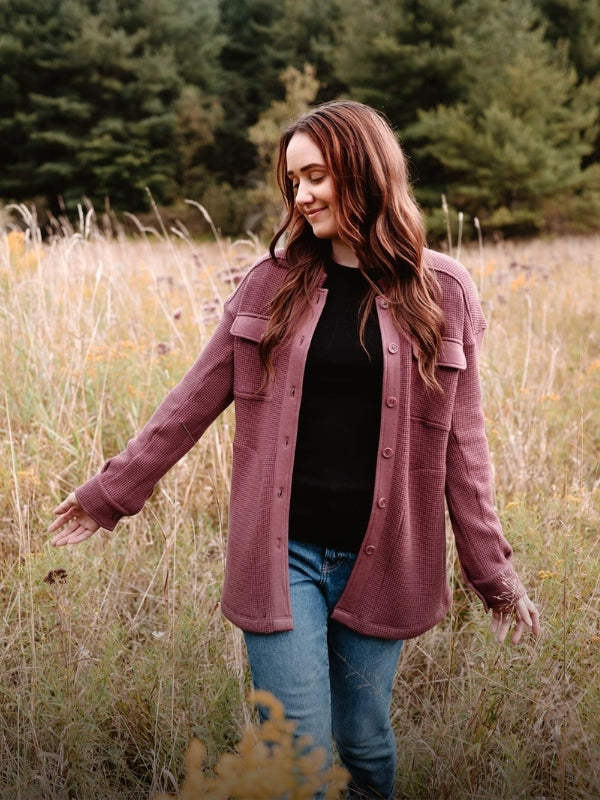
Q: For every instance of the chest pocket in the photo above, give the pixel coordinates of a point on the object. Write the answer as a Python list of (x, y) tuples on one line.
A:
[(432, 408), (248, 377)]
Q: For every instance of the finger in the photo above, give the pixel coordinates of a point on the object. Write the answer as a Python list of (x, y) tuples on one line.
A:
[(496, 619), (530, 614), (72, 535), (66, 511), (58, 523), (66, 504), (527, 611), (523, 612), (67, 524), (504, 627), (64, 519), (518, 631)]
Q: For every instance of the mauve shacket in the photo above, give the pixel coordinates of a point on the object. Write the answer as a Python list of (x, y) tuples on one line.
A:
[(432, 447)]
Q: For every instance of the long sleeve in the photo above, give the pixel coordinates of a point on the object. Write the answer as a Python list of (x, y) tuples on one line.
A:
[(484, 553), (126, 481)]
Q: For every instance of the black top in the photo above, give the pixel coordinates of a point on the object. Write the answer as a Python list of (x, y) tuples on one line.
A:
[(338, 429)]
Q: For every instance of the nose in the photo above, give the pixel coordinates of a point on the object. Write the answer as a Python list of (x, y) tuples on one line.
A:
[(303, 193)]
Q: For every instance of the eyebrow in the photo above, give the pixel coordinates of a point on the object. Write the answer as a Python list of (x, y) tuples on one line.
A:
[(306, 168)]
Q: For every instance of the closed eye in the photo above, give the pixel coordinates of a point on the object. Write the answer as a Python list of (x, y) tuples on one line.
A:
[(312, 179)]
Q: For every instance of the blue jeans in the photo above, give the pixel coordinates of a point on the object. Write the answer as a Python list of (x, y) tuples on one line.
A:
[(330, 679)]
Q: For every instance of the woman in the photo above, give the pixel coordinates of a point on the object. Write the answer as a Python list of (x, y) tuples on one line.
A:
[(352, 359)]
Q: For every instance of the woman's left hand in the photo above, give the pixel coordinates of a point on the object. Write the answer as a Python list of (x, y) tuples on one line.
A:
[(522, 613), (72, 523)]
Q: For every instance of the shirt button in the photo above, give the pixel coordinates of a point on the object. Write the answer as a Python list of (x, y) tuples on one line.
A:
[(382, 502), (393, 347), (391, 402), (369, 550), (387, 452)]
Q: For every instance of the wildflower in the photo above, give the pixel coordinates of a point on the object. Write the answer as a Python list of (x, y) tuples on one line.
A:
[(519, 282), (23, 258), (595, 365), (58, 575), (29, 479), (544, 574), (271, 764)]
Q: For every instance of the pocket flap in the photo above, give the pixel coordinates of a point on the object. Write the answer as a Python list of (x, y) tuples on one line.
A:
[(249, 326), (452, 355)]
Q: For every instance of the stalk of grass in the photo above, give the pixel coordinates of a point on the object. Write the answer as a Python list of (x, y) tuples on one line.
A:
[(114, 684), (110, 671)]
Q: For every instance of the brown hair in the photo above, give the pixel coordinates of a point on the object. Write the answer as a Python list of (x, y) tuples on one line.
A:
[(378, 219)]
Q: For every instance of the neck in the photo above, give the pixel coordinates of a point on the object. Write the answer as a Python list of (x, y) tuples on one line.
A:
[(342, 254)]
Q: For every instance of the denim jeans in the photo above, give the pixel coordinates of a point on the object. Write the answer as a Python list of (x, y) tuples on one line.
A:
[(330, 679)]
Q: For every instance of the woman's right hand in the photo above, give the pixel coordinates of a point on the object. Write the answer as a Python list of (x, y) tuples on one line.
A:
[(73, 524)]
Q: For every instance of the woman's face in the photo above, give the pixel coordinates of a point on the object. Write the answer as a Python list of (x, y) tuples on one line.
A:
[(313, 186)]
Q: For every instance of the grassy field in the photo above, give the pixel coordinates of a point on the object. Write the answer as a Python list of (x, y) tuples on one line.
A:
[(115, 655)]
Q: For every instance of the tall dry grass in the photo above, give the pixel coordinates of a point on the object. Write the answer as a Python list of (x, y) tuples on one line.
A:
[(115, 655)]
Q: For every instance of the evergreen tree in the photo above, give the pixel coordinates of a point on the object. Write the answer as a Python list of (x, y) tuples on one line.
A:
[(515, 142), (250, 80), (93, 103), (131, 83), (398, 55), (263, 39), (497, 101), (32, 35), (304, 33), (576, 22)]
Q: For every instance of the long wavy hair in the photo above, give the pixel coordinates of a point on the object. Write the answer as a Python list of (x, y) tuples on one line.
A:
[(378, 219)]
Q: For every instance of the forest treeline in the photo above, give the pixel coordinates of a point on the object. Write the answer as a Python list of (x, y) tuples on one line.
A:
[(114, 102)]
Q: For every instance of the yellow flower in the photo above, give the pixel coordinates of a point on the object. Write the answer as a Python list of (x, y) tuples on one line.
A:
[(271, 764), (23, 256), (593, 366), (544, 574)]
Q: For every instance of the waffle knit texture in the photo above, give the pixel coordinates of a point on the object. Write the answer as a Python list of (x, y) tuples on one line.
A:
[(432, 455)]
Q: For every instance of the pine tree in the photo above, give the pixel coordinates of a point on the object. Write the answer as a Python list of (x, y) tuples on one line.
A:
[(93, 103), (31, 38), (263, 39), (398, 55), (516, 141), (250, 80), (576, 23), (304, 33)]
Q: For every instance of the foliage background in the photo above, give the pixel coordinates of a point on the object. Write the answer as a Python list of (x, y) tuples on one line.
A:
[(496, 101)]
